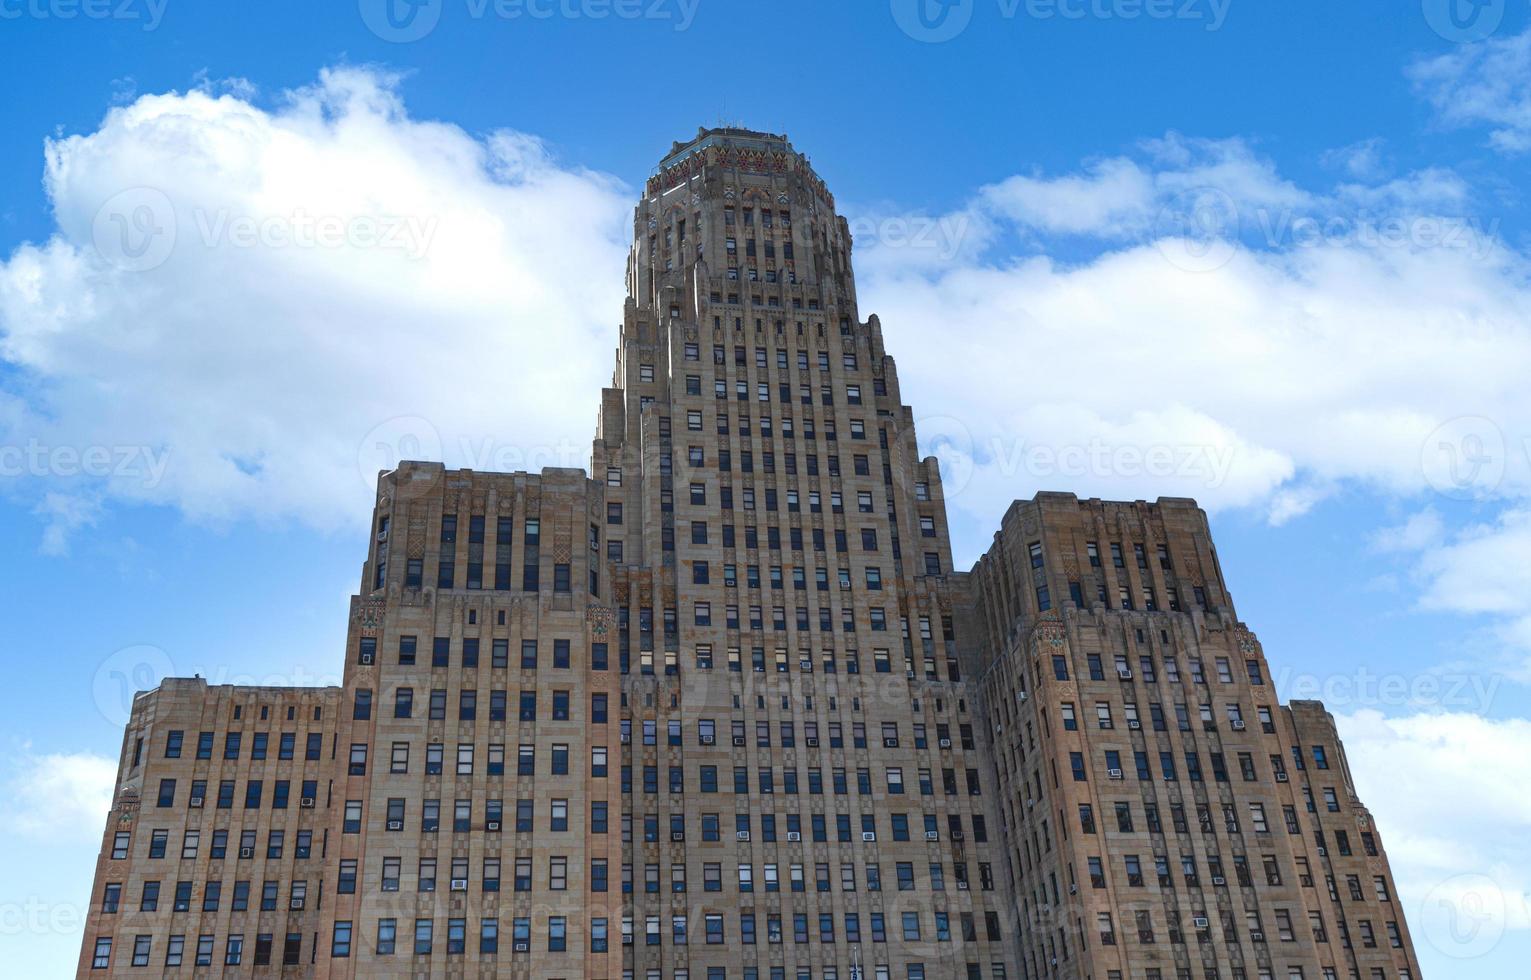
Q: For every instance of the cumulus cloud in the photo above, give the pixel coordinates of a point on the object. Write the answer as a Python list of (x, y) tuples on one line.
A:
[(1482, 85), (60, 796), (1277, 373), (248, 310), (1460, 858)]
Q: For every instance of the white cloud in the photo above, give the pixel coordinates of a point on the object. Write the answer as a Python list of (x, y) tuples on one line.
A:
[(1362, 160), (1460, 858), (232, 381), (469, 284), (1486, 84), (1484, 569), (1122, 197), (1422, 530), (1477, 570), (60, 796), (1305, 341)]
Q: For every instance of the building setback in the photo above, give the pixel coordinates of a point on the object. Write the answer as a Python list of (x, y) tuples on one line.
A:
[(726, 710)]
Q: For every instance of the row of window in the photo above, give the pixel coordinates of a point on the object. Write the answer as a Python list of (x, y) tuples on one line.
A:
[(469, 649), (1122, 669), (1144, 934), (233, 744), (191, 844), (1258, 819), (281, 794), (468, 705)]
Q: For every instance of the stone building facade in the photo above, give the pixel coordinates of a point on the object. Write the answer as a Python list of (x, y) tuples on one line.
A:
[(724, 708)]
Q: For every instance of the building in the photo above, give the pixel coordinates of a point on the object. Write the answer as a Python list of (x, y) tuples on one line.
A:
[(726, 710)]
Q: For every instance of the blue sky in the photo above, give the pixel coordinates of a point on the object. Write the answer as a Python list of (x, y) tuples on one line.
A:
[(1272, 256)]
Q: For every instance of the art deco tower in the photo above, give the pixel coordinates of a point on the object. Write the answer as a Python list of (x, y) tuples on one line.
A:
[(725, 710)]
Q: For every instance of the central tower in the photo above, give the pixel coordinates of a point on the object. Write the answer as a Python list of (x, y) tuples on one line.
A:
[(779, 561)]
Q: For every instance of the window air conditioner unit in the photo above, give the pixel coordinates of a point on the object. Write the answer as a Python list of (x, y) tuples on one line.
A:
[(957, 835), (247, 852), (1257, 937), (459, 884), (196, 802), (962, 886), (395, 825), (1282, 777), (794, 836), (626, 738), (946, 743), (307, 803), (708, 739), (366, 659), (868, 836), (1238, 725), (1073, 889), (1200, 922), (909, 674), (1113, 774), (813, 743), (1134, 724), (738, 739), (522, 947), (1124, 673), (1323, 852), (932, 835), (1219, 881), (1021, 695), (493, 826), (742, 835), (676, 836), (297, 905)]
